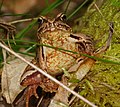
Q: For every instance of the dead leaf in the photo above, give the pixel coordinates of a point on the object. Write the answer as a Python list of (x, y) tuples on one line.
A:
[(12, 71)]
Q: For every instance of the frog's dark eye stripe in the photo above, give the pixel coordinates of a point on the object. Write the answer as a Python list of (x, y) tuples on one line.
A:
[(75, 37)]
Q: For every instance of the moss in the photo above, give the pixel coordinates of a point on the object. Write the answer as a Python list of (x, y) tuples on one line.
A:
[(105, 78)]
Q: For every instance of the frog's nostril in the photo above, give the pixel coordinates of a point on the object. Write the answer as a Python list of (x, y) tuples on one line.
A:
[(51, 26)]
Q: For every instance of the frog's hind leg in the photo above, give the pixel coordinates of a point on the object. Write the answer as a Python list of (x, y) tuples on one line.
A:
[(28, 92)]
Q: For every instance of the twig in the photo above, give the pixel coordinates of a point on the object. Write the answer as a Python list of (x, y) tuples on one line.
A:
[(111, 27), (47, 75), (23, 20)]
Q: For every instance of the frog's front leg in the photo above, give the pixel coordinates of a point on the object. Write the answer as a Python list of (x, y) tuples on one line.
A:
[(84, 45)]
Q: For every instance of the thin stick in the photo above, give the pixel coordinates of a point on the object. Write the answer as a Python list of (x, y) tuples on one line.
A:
[(47, 75), (23, 20), (104, 18)]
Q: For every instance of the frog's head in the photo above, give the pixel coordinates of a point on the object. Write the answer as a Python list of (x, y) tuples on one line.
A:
[(58, 23)]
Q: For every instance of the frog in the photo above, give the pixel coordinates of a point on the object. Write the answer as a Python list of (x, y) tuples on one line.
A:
[(56, 33)]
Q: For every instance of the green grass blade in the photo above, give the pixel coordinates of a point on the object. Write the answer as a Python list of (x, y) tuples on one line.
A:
[(67, 6), (101, 59), (1, 5), (61, 49), (73, 13), (47, 2), (24, 53), (52, 6), (24, 31)]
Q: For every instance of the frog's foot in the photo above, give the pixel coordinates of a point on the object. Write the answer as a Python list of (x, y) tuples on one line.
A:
[(31, 90), (28, 92), (47, 85)]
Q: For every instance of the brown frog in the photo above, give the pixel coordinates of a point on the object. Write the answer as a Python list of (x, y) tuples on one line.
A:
[(58, 34)]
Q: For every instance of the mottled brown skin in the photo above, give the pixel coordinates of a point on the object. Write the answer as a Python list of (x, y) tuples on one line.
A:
[(58, 34)]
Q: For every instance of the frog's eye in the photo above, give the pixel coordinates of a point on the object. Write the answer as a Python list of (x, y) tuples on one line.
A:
[(63, 17), (40, 20)]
